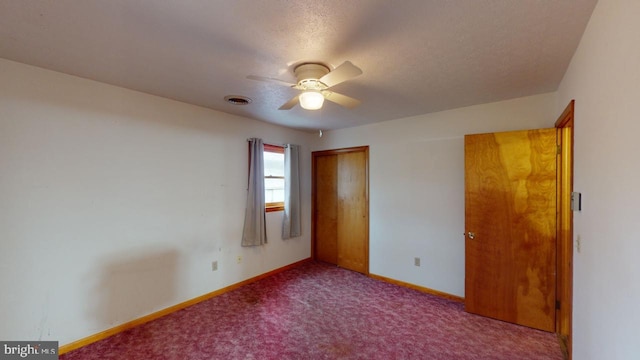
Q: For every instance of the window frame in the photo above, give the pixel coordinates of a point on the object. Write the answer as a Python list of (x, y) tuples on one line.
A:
[(274, 206)]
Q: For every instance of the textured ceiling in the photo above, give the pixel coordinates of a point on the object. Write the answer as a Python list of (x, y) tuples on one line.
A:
[(417, 56)]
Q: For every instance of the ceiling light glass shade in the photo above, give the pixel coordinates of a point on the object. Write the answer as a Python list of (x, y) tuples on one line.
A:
[(311, 100)]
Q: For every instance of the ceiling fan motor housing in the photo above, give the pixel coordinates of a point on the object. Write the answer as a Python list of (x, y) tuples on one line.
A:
[(308, 75)]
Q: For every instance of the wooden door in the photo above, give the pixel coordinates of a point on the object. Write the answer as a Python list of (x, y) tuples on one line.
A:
[(352, 211), (510, 220), (341, 208), (326, 208)]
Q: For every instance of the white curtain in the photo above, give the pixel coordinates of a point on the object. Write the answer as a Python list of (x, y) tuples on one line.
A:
[(254, 232), (291, 218)]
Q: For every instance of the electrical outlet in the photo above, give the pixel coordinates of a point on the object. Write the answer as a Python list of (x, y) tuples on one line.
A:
[(416, 261), (239, 259), (214, 266)]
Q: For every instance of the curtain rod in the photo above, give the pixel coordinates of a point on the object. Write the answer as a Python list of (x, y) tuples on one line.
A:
[(284, 145)]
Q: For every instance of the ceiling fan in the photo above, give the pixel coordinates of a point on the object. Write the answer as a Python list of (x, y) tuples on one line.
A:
[(314, 80)]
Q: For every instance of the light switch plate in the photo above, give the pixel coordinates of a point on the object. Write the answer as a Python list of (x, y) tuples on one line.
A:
[(576, 201)]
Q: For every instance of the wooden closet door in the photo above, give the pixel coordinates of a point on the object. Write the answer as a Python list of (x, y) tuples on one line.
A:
[(352, 212), (326, 208), (341, 208)]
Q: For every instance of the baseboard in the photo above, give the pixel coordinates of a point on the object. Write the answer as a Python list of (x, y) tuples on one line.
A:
[(419, 288), (158, 314)]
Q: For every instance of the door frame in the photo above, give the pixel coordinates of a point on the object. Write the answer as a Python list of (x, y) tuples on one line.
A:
[(314, 156), (564, 228)]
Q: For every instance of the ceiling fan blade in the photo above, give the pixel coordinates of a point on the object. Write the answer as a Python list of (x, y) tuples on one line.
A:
[(340, 74), (271, 80), (289, 104), (340, 99)]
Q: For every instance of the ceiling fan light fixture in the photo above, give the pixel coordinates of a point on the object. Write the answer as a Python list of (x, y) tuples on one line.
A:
[(311, 100)]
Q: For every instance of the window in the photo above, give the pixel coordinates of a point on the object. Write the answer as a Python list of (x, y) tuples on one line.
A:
[(274, 177)]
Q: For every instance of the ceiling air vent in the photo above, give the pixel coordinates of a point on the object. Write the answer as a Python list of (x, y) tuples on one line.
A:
[(237, 100)]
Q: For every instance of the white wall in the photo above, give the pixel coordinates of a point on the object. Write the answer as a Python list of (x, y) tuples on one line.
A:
[(114, 203), (417, 185), (604, 79)]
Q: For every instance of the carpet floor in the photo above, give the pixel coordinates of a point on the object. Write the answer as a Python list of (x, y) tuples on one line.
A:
[(318, 311)]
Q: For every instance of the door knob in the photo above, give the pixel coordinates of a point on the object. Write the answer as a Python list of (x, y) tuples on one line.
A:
[(471, 235)]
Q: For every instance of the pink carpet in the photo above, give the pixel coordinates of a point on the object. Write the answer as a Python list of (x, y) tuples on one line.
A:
[(317, 311)]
